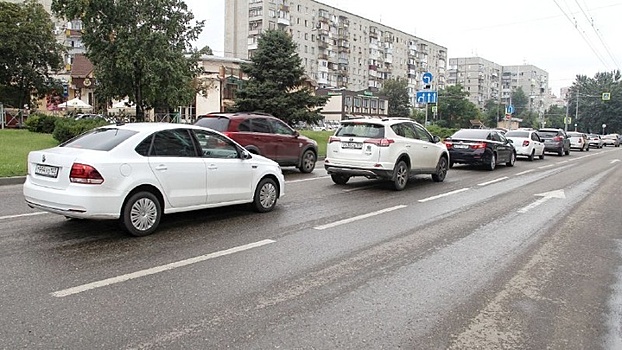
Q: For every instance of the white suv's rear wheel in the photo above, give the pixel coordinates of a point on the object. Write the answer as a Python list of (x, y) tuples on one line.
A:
[(340, 179), (441, 170), (400, 175)]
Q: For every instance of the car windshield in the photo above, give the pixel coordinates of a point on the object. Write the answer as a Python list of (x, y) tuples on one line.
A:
[(471, 134), (353, 129), (574, 134), (215, 122), (102, 139), (517, 134)]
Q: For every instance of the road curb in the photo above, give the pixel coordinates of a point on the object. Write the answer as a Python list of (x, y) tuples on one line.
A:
[(13, 180)]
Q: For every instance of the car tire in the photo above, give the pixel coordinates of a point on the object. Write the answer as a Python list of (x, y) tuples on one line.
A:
[(441, 170), (266, 195), (451, 164), (492, 163), (567, 152), (400, 175), (560, 152), (542, 155), (340, 179), (512, 159), (532, 155), (307, 163), (141, 214)]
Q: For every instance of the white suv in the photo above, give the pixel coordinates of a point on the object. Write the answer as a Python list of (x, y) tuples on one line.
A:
[(388, 148)]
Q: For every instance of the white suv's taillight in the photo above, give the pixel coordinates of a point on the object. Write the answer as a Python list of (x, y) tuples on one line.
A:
[(380, 142), (85, 174)]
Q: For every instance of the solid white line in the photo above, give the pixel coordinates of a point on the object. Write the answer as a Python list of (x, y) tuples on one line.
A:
[(546, 166), (442, 195), (562, 162), (157, 269), (304, 180), (22, 215), (526, 172), (360, 217), (493, 181)]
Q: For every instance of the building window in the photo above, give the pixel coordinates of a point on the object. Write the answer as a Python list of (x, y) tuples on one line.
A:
[(256, 12), (357, 102), (306, 36)]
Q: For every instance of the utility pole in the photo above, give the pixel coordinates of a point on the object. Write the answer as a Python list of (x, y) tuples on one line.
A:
[(576, 112)]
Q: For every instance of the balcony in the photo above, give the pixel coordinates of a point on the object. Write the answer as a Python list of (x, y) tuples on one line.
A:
[(283, 21)]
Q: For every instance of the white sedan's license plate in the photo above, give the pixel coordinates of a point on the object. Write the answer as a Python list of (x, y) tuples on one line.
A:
[(461, 146), (352, 145), (46, 170)]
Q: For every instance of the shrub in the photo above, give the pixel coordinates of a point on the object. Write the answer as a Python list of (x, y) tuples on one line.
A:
[(67, 128), (41, 123), (441, 132)]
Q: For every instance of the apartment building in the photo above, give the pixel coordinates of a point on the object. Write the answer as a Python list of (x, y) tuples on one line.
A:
[(486, 80), (338, 49), (479, 77)]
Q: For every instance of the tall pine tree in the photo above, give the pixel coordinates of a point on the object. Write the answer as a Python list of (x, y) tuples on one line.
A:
[(277, 84)]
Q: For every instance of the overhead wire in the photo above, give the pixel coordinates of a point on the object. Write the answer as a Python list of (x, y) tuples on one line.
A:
[(598, 35), (583, 35)]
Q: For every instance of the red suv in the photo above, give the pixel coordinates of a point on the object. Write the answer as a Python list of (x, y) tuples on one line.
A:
[(265, 135)]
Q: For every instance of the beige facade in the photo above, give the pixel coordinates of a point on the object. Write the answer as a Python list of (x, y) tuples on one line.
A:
[(479, 77), (219, 81), (338, 49), (486, 80), (344, 104)]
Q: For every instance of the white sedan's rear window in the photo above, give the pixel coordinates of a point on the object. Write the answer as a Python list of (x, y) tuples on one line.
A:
[(100, 139)]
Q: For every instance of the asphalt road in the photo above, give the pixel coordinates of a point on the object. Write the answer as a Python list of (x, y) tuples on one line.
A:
[(524, 257)]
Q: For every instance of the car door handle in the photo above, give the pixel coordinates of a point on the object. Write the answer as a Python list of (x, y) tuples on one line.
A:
[(407, 146), (212, 167), (161, 167)]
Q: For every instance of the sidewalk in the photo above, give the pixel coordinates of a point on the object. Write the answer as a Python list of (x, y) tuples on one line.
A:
[(13, 180)]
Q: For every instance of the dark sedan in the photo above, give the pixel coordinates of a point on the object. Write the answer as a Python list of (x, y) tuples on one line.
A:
[(481, 147)]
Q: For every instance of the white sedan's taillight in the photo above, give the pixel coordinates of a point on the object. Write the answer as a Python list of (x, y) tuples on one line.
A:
[(85, 174)]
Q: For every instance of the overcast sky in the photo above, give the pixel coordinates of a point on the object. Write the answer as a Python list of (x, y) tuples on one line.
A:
[(563, 37)]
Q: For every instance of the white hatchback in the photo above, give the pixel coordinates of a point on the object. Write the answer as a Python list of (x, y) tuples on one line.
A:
[(527, 143), (137, 172), (389, 148)]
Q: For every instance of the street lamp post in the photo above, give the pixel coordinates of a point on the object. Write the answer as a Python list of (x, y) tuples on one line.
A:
[(604, 126)]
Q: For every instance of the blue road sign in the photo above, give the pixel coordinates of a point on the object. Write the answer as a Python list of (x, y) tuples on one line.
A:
[(424, 97), (427, 78), (509, 109)]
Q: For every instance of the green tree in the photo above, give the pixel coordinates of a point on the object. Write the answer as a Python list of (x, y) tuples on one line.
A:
[(277, 84), (139, 49), (29, 53), (520, 101), (454, 108), (206, 50), (493, 113), (396, 91), (592, 110)]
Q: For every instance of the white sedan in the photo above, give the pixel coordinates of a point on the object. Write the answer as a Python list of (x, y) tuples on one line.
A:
[(137, 172), (527, 143)]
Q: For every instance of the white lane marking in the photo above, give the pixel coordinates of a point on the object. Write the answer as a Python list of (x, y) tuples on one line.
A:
[(304, 180), (526, 172), (443, 195), (545, 197), (493, 181), (22, 215), (546, 166), (562, 162), (359, 217), (615, 161), (157, 269)]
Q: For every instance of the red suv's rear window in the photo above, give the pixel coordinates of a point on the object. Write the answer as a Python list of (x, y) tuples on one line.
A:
[(215, 122)]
